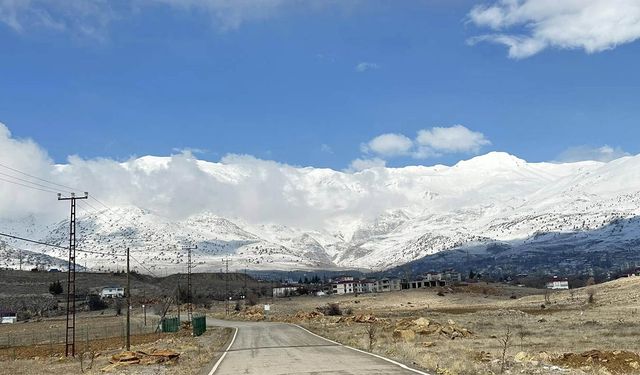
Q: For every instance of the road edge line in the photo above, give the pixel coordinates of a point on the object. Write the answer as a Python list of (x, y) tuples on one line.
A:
[(363, 352), (233, 339)]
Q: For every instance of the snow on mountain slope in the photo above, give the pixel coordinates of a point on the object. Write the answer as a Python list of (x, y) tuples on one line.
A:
[(272, 216)]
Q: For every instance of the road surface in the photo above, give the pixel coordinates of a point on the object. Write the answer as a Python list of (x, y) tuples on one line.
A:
[(265, 348)]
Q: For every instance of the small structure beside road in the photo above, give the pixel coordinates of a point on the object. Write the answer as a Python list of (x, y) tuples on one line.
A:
[(112, 292), (558, 283)]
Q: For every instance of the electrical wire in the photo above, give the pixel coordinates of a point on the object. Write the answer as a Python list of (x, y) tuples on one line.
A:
[(46, 189), (57, 246), (27, 186), (38, 178), (27, 181)]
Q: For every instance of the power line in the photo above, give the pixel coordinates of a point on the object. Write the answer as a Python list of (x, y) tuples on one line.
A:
[(27, 186), (92, 207), (57, 246), (96, 199), (38, 178), (27, 181), (46, 189), (145, 267)]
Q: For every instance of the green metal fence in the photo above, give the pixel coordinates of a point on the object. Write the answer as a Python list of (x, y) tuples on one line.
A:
[(170, 324), (199, 324)]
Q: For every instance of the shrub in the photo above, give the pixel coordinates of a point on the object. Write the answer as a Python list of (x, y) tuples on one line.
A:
[(252, 299), (118, 303), (332, 309), (348, 311), (591, 296), (94, 302), (55, 288)]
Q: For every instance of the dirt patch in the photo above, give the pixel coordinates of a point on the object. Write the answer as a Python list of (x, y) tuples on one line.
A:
[(617, 362), (57, 350)]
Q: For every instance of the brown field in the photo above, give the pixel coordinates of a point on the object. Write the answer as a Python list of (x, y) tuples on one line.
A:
[(37, 347), (464, 331)]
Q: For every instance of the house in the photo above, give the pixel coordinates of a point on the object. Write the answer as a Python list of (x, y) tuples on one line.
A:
[(285, 291), (365, 286), (388, 285), (435, 279), (343, 287), (450, 276), (558, 283), (112, 292), (8, 317)]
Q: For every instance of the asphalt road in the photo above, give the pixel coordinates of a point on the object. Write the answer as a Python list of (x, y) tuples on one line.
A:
[(265, 348)]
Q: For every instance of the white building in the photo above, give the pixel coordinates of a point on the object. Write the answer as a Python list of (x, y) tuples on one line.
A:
[(365, 286), (9, 319), (285, 291), (112, 292), (388, 285), (343, 287), (558, 284)]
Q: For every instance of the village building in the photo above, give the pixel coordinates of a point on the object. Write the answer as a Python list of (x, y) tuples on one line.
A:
[(285, 291), (112, 292), (365, 286), (8, 316), (558, 283), (343, 285), (435, 279), (347, 285), (388, 285)]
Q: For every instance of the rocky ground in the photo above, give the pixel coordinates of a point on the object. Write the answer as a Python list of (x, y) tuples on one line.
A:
[(178, 353), (482, 329)]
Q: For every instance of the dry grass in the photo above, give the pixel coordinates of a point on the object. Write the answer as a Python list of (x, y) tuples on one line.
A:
[(568, 324), (195, 354)]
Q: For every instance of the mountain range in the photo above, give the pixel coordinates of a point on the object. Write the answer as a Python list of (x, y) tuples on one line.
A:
[(375, 219)]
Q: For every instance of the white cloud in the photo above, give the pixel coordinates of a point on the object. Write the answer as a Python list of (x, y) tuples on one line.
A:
[(454, 139), (326, 149), (428, 143), (92, 18), (358, 165), (231, 14), (85, 18), (388, 145), (591, 25), (180, 185), (581, 153), (364, 66)]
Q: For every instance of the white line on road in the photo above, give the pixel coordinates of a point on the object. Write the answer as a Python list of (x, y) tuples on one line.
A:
[(363, 352), (215, 367)]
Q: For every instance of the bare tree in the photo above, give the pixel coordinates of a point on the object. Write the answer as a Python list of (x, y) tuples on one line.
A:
[(591, 296), (522, 333), (505, 344), (372, 333), (547, 296)]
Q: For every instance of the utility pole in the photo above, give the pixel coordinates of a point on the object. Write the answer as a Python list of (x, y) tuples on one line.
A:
[(70, 336), (189, 266), (244, 287), (226, 287), (128, 304), (20, 255)]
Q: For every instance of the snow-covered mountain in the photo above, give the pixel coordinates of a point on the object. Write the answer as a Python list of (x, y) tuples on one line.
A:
[(374, 219)]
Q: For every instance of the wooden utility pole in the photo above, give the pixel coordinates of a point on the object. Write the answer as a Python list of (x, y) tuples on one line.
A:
[(128, 304), (70, 335)]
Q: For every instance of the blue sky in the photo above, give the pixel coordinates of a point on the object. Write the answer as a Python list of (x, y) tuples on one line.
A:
[(313, 85)]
